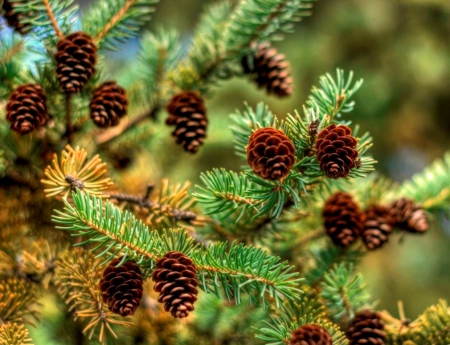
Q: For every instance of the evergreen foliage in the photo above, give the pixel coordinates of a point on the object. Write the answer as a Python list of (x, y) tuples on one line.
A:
[(262, 257)]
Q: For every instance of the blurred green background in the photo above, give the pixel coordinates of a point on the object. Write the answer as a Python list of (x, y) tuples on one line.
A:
[(401, 48)]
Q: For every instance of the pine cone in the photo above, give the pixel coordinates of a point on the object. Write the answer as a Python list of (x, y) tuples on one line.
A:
[(335, 150), (343, 219), (109, 103), (310, 335), (409, 216), (366, 329), (187, 112), (177, 283), (76, 58), (270, 153), (26, 108), (377, 227), (121, 287), (13, 18), (270, 70)]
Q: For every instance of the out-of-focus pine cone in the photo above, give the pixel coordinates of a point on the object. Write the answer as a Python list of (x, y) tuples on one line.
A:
[(26, 109), (109, 103), (13, 18), (122, 287), (343, 219), (188, 114), (76, 58), (377, 226), (367, 328), (310, 335), (270, 153), (270, 70), (176, 283), (336, 150), (409, 216)]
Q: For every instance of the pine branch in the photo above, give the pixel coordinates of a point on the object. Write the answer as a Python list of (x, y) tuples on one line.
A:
[(224, 193), (433, 326), (244, 123), (160, 53), (245, 268), (334, 94), (114, 21), (239, 269), (103, 138), (207, 53), (72, 170), (430, 188), (77, 277), (17, 301), (343, 294), (163, 207), (46, 17), (7, 55), (262, 20), (14, 334), (11, 56), (326, 258), (278, 331), (52, 18)]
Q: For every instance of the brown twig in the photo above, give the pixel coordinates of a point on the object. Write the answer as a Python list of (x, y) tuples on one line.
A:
[(52, 18), (11, 52), (113, 21), (313, 235), (74, 182), (114, 132), (142, 201)]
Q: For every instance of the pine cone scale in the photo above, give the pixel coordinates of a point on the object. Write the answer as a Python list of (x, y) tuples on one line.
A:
[(336, 151), (270, 70), (343, 220), (270, 153), (409, 216), (175, 280), (367, 328), (187, 112), (122, 287), (26, 109), (310, 334), (108, 105), (76, 57)]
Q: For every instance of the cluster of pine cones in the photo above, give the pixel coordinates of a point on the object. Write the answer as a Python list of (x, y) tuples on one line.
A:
[(175, 280), (345, 222), (76, 57), (367, 328), (271, 154), (187, 112)]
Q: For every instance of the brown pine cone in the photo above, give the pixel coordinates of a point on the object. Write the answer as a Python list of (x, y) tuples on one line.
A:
[(343, 219), (177, 283), (377, 226), (336, 150), (13, 18), (270, 153), (270, 70), (76, 58), (122, 287), (109, 103), (409, 216), (26, 109), (187, 112), (367, 328), (310, 335)]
